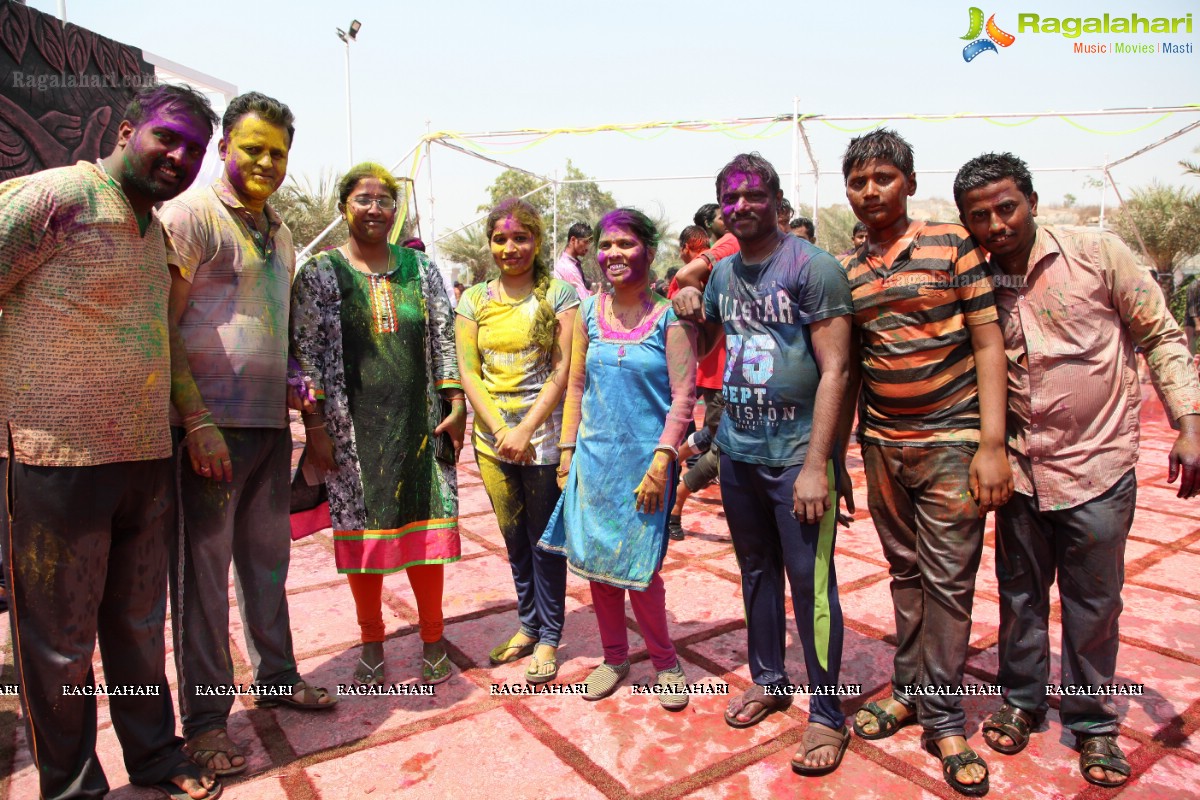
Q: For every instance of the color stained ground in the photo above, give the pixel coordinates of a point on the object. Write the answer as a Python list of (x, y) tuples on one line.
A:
[(465, 742)]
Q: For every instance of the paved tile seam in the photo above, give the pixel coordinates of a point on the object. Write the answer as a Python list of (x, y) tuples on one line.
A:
[(715, 773), (567, 752)]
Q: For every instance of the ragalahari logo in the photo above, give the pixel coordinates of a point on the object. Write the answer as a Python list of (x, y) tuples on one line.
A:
[(995, 36)]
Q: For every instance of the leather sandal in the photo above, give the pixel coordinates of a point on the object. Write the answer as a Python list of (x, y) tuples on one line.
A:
[(767, 704), (1101, 750), (1013, 722), (204, 747), (817, 735), (888, 723), (953, 763)]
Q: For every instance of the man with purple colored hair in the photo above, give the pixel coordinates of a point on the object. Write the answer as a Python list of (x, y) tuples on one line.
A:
[(85, 367)]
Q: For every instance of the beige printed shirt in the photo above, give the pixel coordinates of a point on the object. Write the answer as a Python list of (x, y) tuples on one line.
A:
[(1073, 392), (235, 327), (85, 371)]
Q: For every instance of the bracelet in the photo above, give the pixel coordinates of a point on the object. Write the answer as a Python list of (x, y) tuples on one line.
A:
[(647, 476), (315, 427), (458, 401), (208, 424), (195, 415), (566, 445), (666, 448)]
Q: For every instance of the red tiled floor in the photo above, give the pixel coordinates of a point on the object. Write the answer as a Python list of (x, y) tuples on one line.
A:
[(487, 756), (465, 742)]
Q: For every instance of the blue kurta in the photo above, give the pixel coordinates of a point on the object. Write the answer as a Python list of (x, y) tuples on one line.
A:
[(626, 396)]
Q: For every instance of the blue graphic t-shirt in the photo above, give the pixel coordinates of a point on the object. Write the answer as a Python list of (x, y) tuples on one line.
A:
[(770, 374)]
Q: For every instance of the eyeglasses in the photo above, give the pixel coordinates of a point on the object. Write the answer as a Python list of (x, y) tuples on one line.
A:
[(365, 201)]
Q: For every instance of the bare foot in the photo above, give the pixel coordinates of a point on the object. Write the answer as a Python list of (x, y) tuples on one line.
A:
[(196, 789)]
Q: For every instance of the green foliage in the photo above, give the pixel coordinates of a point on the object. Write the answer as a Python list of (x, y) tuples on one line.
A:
[(308, 209), (1168, 218), (1191, 167), (469, 248), (835, 228), (1178, 300), (577, 202)]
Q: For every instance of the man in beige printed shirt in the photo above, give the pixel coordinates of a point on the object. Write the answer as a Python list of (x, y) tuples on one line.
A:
[(1072, 304), (84, 392)]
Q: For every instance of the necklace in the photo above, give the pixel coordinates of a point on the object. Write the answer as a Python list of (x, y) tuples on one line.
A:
[(502, 295), (365, 266), (614, 328)]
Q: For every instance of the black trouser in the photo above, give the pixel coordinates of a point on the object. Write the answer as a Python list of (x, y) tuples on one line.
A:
[(87, 555), (1086, 546)]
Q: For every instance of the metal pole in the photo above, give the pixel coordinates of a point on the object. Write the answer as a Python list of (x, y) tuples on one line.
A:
[(1104, 190), (349, 124), (554, 200), (796, 153), (62, 11), (432, 217)]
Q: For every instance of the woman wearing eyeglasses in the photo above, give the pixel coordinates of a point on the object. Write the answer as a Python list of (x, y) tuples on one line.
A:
[(373, 330)]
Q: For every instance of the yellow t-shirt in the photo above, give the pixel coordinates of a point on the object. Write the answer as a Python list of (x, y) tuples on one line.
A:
[(514, 369)]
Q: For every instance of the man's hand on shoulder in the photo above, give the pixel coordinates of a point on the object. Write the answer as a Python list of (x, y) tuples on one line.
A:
[(689, 304)]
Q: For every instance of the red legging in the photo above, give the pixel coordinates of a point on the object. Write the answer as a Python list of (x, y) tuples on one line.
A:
[(426, 582)]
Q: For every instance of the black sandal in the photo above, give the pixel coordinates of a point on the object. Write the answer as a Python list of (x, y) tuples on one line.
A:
[(888, 723), (1101, 750), (953, 763), (1013, 722)]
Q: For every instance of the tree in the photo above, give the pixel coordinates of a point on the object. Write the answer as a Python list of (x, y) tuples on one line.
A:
[(470, 249), (1168, 221), (577, 202), (835, 228), (1191, 167), (308, 209)]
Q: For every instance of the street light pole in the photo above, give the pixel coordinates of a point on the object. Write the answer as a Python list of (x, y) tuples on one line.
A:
[(347, 38)]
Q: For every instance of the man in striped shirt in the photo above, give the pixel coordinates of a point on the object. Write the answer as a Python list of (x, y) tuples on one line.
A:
[(930, 359)]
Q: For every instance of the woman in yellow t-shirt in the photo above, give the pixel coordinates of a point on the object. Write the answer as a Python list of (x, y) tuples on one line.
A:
[(513, 337)]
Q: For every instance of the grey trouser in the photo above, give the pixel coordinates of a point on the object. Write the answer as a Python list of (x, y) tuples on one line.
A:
[(705, 468), (247, 522), (1086, 546), (932, 536), (87, 557)]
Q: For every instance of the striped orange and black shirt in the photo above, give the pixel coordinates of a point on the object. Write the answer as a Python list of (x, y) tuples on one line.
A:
[(913, 305)]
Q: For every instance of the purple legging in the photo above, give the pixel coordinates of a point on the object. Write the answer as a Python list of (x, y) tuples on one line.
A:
[(650, 610)]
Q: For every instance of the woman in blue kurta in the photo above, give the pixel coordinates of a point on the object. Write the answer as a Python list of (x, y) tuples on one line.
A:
[(629, 400)]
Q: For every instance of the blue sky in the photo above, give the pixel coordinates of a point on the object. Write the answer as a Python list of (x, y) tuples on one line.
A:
[(475, 66)]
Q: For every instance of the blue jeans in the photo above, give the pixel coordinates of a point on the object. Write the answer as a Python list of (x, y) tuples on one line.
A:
[(523, 498)]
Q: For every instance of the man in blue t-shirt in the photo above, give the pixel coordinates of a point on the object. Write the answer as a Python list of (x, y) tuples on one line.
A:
[(782, 306)]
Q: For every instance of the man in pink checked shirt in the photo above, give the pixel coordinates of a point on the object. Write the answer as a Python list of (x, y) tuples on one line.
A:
[(1072, 305)]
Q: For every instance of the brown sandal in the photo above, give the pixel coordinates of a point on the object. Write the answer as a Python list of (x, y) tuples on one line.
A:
[(768, 704), (815, 736), (1013, 722), (204, 747), (303, 697), (1101, 750)]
